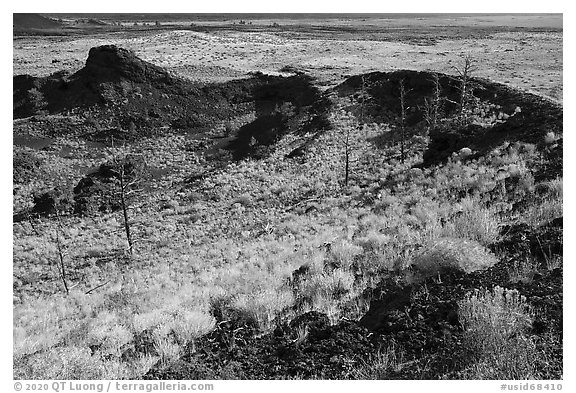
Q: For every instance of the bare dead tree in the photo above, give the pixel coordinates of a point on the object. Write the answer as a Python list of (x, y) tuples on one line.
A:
[(465, 86), (348, 137), (363, 98), (403, 110), (96, 287), (61, 252), (349, 141), (347, 156), (432, 109), (123, 201), (128, 181)]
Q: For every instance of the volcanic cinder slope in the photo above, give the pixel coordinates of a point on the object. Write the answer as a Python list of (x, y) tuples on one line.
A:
[(377, 266)]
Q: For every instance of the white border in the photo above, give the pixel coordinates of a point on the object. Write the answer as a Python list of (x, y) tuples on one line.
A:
[(304, 6)]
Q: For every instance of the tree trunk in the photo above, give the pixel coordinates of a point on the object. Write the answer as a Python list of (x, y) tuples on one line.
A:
[(125, 210), (402, 120), (62, 267), (347, 169)]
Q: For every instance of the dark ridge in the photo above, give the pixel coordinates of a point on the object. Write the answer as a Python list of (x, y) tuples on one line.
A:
[(382, 89), (121, 90), (537, 117), (33, 22), (121, 94)]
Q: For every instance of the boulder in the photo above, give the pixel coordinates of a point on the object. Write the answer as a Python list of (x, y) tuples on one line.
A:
[(48, 203)]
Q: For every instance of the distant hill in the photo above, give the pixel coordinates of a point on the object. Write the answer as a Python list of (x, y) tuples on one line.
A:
[(33, 22)]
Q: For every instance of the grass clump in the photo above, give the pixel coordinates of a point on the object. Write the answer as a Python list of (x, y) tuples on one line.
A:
[(263, 306), (523, 270), (474, 222), (384, 365), (496, 324), (451, 254), (550, 205)]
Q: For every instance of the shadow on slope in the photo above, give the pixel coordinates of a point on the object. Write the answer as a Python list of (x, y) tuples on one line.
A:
[(501, 113)]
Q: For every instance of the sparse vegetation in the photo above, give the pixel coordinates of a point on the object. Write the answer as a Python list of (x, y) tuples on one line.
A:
[(261, 265)]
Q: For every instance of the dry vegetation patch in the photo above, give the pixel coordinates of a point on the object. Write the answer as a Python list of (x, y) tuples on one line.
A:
[(298, 233)]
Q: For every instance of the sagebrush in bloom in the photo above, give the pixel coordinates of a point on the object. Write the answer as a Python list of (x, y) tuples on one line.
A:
[(496, 324)]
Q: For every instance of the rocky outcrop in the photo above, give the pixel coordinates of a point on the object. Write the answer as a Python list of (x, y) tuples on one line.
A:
[(116, 90), (109, 62)]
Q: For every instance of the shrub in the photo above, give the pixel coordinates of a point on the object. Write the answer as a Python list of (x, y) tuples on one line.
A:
[(553, 262), (191, 324), (61, 363), (384, 365), (326, 292), (342, 253), (379, 252), (543, 212), (523, 270), (548, 207), (25, 166), (550, 138), (451, 253), (475, 222), (495, 338), (146, 321), (244, 200), (78, 363), (111, 339), (465, 152), (165, 346), (555, 187), (261, 308)]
